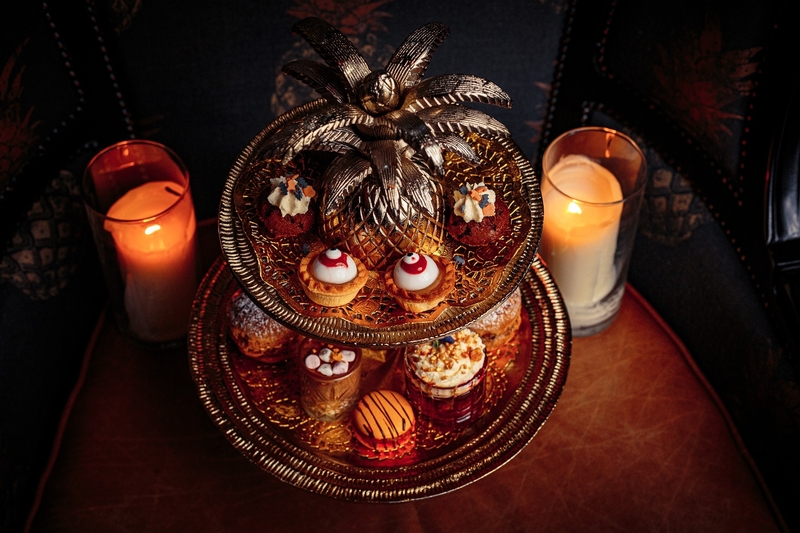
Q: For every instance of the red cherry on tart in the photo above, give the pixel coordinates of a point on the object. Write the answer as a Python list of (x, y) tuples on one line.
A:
[(420, 282), (331, 277)]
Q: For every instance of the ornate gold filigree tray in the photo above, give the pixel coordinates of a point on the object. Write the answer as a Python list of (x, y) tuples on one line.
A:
[(267, 267), (256, 405)]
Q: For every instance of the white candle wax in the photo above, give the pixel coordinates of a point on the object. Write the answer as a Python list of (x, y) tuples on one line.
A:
[(157, 258), (579, 237)]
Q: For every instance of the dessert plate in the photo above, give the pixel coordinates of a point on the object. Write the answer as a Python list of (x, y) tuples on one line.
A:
[(256, 406), (266, 267)]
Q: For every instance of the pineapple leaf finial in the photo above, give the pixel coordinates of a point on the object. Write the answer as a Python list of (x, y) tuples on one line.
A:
[(401, 121)]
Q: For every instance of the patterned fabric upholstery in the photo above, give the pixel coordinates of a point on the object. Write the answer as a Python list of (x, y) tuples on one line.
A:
[(223, 82), (57, 103), (703, 87), (699, 83)]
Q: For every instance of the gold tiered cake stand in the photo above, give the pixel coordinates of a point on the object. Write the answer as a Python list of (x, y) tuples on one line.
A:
[(257, 406)]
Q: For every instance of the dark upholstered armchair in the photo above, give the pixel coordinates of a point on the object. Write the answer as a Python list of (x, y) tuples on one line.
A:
[(707, 87), (709, 90)]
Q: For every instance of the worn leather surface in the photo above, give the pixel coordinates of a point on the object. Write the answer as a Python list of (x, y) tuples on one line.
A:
[(636, 443)]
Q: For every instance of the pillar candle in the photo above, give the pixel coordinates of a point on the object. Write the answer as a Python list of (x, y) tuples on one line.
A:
[(155, 241), (582, 209)]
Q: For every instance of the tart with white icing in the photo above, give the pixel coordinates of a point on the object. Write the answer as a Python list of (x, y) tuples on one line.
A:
[(420, 282), (331, 277)]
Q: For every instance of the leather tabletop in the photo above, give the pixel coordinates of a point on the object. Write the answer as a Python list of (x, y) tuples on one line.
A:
[(635, 443)]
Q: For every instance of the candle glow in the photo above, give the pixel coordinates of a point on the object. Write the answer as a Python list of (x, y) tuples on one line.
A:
[(582, 202), (157, 260)]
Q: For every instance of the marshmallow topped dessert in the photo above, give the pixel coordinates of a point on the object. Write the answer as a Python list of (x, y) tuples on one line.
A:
[(329, 362), (330, 377)]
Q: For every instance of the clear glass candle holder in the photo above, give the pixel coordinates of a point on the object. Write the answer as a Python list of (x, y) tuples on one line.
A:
[(140, 209), (593, 181)]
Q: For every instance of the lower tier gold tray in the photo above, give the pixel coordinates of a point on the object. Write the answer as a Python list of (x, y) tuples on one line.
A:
[(256, 404)]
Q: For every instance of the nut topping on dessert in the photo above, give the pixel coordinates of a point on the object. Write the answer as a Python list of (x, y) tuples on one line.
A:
[(449, 361), (334, 266)]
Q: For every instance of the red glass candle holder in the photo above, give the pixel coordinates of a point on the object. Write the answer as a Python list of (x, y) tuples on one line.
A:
[(140, 209)]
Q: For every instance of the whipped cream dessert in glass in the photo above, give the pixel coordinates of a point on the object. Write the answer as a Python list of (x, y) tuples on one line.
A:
[(445, 378)]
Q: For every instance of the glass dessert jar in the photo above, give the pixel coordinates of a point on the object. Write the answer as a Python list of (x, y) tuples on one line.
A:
[(445, 379), (330, 376)]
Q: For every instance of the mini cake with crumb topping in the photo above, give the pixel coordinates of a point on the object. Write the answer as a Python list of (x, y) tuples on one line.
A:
[(445, 378)]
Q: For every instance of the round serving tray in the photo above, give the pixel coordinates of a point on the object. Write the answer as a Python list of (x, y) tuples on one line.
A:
[(255, 404), (267, 268)]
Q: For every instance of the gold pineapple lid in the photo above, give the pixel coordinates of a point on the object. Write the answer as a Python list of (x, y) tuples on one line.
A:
[(373, 166)]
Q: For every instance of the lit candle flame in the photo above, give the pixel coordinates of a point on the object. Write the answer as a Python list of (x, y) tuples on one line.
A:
[(574, 208), (152, 229)]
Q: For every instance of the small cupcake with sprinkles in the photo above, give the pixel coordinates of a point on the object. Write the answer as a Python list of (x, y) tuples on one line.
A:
[(284, 208), (478, 216)]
